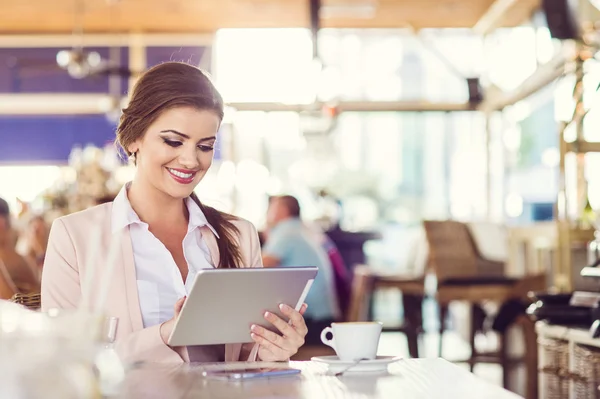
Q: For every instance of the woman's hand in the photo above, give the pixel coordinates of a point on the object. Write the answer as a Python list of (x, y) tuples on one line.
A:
[(274, 347), (167, 327)]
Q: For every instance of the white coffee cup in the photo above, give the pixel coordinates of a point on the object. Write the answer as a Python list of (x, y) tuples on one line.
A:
[(353, 340)]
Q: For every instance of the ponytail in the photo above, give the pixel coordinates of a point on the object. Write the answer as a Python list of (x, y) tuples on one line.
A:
[(229, 250)]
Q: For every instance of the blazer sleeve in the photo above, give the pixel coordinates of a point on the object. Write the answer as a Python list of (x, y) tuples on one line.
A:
[(60, 275), (61, 289), (147, 346)]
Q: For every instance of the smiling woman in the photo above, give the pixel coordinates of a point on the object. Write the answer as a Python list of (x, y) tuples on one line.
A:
[(169, 130)]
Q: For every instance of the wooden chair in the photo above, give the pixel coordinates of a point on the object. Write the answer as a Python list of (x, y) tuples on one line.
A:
[(455, 261)]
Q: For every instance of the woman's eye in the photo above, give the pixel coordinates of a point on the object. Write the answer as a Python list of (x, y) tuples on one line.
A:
[(172, 143), (205, 148)]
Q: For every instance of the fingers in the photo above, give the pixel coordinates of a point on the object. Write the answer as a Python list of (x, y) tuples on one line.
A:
[(178, 305), (274, 338), (296, 319), (274, 353), (165, 330), (275, 347), (303, 309), (285, 328)]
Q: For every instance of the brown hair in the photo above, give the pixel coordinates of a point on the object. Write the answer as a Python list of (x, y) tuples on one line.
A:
[(290, 202), (170, 85)]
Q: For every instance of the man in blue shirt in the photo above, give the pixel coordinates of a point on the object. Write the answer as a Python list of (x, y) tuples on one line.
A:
[(291, 243)]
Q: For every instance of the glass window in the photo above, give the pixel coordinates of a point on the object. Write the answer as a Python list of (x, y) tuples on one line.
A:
[(511, 56), (254, 65)]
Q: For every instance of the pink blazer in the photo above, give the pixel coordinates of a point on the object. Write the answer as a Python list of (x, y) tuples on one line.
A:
[(65, 271)]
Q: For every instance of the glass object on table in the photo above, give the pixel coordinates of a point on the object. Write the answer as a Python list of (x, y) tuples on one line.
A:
[(109, 330), (45, 356), (110, 368)]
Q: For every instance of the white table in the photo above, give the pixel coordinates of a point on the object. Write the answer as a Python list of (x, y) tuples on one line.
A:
[(410, 378)]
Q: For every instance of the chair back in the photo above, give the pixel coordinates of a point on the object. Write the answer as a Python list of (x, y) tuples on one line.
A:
[(452, 251), (362, 289)]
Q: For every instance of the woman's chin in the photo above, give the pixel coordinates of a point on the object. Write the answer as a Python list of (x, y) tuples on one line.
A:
[(180, 191)]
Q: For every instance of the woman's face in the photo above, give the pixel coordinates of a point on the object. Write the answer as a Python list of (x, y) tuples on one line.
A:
[(177, 150)]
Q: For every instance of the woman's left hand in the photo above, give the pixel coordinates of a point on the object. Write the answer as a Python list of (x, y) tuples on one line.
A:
[(274, 347)]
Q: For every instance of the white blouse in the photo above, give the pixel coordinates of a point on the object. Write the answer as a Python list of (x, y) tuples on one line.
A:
[(159, 281)]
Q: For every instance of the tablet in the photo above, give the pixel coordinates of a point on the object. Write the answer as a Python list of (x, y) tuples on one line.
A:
[(224, 303)]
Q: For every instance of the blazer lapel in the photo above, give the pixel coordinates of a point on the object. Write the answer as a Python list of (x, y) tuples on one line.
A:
[(211, 242), (131, 291)]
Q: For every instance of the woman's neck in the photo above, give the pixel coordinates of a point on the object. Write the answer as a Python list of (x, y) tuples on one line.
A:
[(153, 206)]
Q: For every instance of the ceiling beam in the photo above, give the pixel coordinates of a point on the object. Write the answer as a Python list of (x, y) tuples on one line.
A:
[(54, 104), (78, 104), (359, 106), (494, 16), (106, 40), (540, 78)]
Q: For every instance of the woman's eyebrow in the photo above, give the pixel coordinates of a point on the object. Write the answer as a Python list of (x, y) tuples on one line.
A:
[(185, 136)]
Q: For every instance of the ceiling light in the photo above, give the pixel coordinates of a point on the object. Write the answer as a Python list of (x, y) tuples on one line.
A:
[(94, 59), (64, 58)]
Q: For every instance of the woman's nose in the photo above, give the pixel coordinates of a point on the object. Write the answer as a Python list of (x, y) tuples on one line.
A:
[(189, 159)]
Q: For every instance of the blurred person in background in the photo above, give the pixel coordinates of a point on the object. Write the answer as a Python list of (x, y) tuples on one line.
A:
[(34, 240), (16, 271), (291, 243)]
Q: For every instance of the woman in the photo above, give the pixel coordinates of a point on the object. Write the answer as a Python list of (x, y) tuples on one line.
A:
[(34, 241), (169, 131)]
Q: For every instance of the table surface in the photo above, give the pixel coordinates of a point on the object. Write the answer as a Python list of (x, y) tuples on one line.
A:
[(408, 378)]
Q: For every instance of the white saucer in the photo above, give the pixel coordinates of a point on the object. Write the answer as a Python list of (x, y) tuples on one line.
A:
[(335, 364)]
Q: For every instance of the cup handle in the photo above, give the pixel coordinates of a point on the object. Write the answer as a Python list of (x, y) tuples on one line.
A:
[(328, 342)]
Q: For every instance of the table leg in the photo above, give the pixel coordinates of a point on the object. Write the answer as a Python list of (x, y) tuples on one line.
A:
[(413, 320), (443, 315)]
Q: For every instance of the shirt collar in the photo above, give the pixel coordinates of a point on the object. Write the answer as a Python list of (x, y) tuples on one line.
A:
[(123, 214), (197, 217)]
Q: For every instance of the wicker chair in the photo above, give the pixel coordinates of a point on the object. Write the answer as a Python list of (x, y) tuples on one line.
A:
[(30, 301), (11, 292)]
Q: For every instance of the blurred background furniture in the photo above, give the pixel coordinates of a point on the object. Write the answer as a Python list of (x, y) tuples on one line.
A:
[(569, 362), (462, 274), (31, 301)]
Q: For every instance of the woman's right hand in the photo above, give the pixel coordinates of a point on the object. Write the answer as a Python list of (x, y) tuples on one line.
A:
[(166, 328)]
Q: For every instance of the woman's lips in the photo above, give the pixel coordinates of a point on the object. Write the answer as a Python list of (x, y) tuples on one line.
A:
[(182, 176)]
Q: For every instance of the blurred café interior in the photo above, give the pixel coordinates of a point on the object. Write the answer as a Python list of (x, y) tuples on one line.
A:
[(446, 148)]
